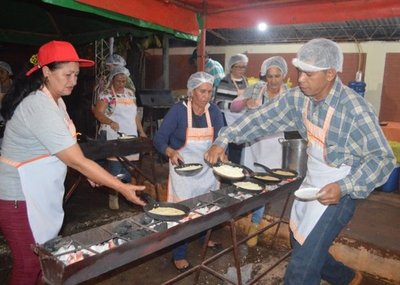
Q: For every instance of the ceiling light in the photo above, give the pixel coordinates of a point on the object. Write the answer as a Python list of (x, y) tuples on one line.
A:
[(262, 27)]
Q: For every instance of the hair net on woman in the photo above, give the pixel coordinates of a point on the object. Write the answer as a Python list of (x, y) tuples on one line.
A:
[(115, 59), (319, 54), (198, 78), (238, 58), (4, 65), (276, 61), (118, 70)]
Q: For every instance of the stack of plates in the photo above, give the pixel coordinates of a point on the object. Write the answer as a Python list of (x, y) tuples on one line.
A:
[(307, 194)]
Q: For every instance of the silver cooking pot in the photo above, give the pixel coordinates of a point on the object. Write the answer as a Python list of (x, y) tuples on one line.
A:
[(294, 155)]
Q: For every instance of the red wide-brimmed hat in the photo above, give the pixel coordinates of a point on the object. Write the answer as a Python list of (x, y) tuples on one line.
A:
[(58, 51)]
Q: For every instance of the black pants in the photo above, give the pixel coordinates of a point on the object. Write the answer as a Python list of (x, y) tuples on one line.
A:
[(235, 152)]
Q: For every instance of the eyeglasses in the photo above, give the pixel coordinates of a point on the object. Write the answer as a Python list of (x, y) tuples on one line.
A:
[(240, 66)]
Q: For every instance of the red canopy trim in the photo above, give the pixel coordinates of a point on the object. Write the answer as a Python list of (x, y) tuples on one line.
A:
[(153, 11), (235, 14), (304, 12)]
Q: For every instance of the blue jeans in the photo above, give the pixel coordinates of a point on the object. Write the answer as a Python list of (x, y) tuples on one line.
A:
[(257, 215), (179, 252), (311, 262), (115, 168)]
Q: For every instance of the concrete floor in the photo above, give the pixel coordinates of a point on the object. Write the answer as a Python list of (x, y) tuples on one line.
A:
[(375, 227)]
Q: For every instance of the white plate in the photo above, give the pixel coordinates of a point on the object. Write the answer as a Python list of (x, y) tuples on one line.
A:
[(127, 137), (307, 194)]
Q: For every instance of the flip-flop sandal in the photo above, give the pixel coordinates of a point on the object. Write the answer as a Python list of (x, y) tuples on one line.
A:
[(183, 269), (216, 247)]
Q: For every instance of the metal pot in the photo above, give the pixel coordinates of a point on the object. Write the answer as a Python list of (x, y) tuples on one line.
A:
[(294, 155)]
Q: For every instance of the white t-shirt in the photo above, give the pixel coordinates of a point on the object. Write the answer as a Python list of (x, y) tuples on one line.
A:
[(37, 127)]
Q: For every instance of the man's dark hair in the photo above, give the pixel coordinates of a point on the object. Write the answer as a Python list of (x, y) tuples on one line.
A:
[(193, 57)]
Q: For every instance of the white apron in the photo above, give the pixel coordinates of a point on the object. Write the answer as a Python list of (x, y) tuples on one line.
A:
[(305, 214), (125, 112), (198, 140), (42, 181), (266, 150), (230, 116)]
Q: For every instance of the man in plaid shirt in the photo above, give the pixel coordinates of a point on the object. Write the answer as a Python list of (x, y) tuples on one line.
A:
[(348, 157)]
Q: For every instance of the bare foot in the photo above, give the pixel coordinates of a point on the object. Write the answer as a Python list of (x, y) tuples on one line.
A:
[(181, 263)]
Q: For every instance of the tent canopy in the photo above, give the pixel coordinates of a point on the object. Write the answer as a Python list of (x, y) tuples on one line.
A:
[(181, 15), (34, 22)]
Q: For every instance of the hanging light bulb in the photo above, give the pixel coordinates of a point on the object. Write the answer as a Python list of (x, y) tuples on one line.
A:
[(262, 26)]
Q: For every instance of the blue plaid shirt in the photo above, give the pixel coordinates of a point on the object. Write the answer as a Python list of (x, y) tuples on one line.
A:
[(354, 137), (214, 68)]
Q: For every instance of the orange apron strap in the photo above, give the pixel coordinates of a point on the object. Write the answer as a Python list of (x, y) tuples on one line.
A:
[(17, 164)]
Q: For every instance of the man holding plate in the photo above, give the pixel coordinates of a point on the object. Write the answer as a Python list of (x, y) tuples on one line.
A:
[(348, 157)]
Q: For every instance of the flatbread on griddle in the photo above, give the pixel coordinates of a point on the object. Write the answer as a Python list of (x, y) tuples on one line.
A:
[(189, 167), (284, 173), (229, 171), (248, 185), (267, 178), (166, 211)]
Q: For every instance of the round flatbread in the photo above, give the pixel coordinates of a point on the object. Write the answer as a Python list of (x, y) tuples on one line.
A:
[(248, 185), (229, 171), (189, 168), (267, 178), (166, 211), (284, 173)]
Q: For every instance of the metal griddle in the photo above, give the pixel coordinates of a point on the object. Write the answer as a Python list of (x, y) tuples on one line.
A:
[(144, 237)]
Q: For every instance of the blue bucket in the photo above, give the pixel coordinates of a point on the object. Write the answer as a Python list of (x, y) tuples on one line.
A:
[(358, 86), (392, 184)]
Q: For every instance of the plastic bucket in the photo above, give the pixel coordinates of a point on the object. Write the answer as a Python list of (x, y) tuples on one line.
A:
[(392, 184), (358, 86), (294, 155)]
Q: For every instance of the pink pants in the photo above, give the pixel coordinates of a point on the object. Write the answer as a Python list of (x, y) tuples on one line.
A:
[(16, 230)]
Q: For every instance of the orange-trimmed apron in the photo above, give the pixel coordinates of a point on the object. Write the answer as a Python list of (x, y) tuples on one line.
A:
[(42, 181), (305, 214), (198, 140), (230, 116), (124, 113), (266, 150)]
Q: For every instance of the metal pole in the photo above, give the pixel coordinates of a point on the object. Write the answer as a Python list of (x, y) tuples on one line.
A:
[(201, 49), (165, 62)]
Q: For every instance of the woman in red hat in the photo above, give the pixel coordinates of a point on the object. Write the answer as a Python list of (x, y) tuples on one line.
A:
[(39, 143)]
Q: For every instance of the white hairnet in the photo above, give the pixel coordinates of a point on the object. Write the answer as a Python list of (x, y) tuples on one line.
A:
[(198, 78), (276, 61), (240, 57), (319, 54), (4, 65), (115, 59), (118, 70)]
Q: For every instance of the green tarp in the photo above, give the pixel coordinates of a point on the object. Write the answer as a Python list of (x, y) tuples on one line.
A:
[(36, 22)]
